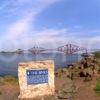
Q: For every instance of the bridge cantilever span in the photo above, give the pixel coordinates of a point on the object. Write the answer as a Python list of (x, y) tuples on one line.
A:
[(37, 50), (68, 49)]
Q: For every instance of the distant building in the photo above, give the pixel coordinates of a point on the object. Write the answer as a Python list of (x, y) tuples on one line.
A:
[(19, 51)]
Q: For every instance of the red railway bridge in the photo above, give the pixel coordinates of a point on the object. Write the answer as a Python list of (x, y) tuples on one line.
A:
[(67, 49)]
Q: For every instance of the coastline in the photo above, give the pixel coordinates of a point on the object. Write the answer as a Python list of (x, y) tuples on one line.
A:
[(78, 86)]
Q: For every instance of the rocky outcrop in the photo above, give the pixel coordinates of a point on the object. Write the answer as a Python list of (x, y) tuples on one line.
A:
[(85, 68)]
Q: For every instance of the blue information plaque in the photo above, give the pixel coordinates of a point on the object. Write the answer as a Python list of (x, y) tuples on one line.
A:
[(37, 76)]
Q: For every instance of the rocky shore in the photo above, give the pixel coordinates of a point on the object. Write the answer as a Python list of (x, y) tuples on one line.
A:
[(72, 82), (80, 73)]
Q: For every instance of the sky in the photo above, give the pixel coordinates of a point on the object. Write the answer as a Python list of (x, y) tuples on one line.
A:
[(49, 23)]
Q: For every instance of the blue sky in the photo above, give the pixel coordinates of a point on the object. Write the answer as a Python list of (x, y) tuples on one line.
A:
[(49, 23)]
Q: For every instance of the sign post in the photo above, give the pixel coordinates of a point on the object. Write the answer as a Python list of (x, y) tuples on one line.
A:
[(36, 79)]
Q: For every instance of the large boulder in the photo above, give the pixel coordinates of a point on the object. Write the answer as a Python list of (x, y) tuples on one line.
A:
[(67, 92)]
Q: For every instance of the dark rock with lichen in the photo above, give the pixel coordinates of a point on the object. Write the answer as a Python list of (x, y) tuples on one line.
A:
[(85, 68)]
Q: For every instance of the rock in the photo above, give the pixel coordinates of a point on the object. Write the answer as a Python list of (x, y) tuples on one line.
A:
[(64, 95), (87, 66), (67, 92), (71, 88), (61, 72)]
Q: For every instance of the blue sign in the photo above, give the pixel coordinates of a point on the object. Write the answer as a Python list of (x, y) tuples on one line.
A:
[(37, 76)]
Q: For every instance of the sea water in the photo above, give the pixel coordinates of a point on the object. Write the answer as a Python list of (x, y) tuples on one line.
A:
[(9, 61)]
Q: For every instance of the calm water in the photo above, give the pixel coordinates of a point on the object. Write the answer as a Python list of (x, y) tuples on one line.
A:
[(9, 61)]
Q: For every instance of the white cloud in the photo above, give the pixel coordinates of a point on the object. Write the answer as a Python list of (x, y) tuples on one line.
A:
[(49, 38), (20, 7), (19, 27), (52, 38), (27, 10), (93, 42), (43, 38), (17, 35)]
